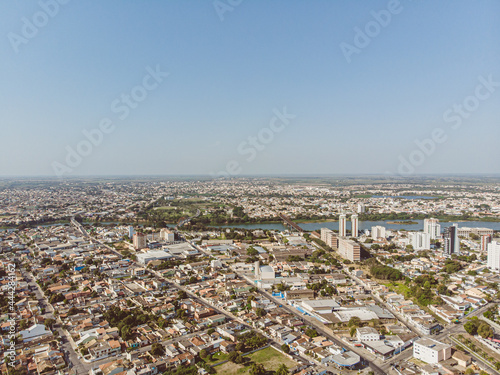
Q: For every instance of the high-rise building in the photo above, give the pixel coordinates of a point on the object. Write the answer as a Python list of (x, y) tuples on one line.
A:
[(494, 256), (485, 240), (451, 241), (349, 249), (342, 225), (361, 208), (131, 232), (378, 232), (139, 241), (354, 225), (420, 241), (433, 228)]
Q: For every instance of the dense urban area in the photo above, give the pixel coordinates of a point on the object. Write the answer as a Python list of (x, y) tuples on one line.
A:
[(259, 276)]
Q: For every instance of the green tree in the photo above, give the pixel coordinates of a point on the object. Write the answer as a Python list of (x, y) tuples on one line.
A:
[(354, 322), (484, 330), (260, 312), (285, 348), (49, 323), (471, 326), (282, 370), (157, 349), (311, 332), (257, 369), (353, 331), (233, 356)]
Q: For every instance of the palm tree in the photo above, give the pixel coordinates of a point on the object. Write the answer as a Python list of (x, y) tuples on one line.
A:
[(282, 370)]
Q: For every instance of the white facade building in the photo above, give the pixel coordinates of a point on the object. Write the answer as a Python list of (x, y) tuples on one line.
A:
[(167, 235), (367, 334), (354, 225), (431, 351), (342, 225), (420, 241), (494, 256), (432, 228), (378, 232)]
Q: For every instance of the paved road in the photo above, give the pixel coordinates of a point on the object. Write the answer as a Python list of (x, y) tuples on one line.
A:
[(193, 296), (320, 327), (70, 355)]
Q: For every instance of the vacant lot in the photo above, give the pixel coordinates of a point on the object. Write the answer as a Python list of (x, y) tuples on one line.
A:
[(269, 357)]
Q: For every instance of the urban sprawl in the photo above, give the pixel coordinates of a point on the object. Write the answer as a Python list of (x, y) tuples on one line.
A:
[(146, 276)]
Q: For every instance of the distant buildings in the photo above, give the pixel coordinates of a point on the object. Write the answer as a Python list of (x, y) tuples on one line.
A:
[(378, 232), (432, 228), (466, 231), (451, 241), (431, 351), (494, 256), (420, 241), (354, 225), (349, 249), (139, 241), (342, 225)]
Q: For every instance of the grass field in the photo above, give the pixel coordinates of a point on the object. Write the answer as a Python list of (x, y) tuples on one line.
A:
[(217, 357), (399, 288), (269, 357)]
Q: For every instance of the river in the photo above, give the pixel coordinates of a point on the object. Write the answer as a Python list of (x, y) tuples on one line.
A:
[(335, 225), (366, 225)]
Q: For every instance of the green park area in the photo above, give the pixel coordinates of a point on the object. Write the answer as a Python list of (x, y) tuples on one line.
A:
[(270, 358)]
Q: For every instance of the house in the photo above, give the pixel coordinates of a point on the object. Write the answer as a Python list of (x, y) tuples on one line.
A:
[(462, 359), (36, 331), (227, 346)]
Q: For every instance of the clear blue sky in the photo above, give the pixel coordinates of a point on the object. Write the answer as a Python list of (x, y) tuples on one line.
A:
[(227, 77)]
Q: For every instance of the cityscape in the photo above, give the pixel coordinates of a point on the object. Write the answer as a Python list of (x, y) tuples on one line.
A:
[(290, 275), (250, 187)]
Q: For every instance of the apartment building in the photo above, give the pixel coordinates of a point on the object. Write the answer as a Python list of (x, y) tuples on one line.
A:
[(431, 351)]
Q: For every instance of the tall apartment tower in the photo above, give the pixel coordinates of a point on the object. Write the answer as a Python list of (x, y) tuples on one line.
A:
[(378, 232), (420, 241), (485, 240), (342, 225), (361, 208), (432, 228), (451, 241), (354, 225), (139, 241), (494, 256)]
